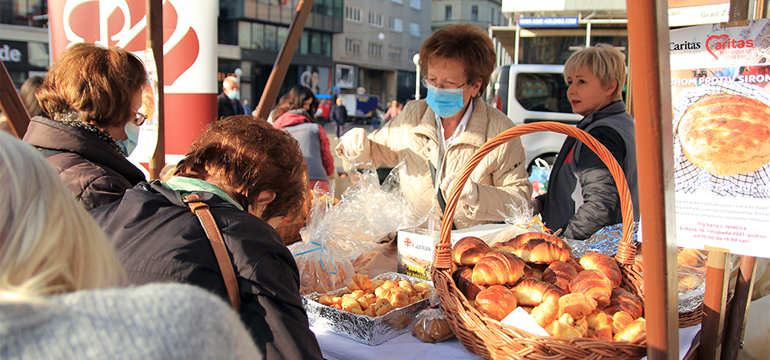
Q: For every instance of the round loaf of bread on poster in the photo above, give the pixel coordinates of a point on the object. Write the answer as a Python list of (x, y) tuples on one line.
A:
[(726, 134)]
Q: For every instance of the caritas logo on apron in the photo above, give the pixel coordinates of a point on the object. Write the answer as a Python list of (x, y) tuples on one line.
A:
[(189, 50)]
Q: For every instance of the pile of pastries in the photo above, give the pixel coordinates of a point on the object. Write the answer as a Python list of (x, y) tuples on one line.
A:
[(569, 298), (691, 268), (377, 297)]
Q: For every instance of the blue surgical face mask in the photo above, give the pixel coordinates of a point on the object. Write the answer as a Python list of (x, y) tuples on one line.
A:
[(444, 102), (234, 94), (128, 145)]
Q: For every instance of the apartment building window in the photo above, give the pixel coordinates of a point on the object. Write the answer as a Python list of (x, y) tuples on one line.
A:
[(353, 13), (397, 1), (416, 4), (448, 12), (396, 24), (412, 53), (415, 29), (474, 13), (375, 19), (353, 46), (394, 53), (375, 49)]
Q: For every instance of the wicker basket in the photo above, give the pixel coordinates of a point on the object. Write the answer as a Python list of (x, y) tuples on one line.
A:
[(491, 339)]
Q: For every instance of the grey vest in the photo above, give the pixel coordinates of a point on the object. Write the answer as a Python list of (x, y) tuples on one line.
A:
[(309, 138)]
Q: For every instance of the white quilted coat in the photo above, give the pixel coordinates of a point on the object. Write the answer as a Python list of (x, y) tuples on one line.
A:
[(412, 136)]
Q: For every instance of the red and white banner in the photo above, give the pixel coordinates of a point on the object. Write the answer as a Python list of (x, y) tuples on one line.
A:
[(189, 51)]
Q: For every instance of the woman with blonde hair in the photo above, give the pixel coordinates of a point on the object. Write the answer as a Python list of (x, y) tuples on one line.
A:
[(582, 196), (55, 264)]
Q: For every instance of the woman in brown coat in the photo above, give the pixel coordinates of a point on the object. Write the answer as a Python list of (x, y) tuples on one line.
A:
[(91, 94)]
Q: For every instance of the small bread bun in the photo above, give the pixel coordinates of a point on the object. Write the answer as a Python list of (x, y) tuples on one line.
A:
[(496, 302), (469, 250)]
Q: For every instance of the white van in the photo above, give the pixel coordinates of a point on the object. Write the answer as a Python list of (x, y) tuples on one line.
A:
[(529, 94)]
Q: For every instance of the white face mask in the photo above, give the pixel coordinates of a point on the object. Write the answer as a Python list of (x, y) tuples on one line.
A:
[(128, 145), (234, 94)]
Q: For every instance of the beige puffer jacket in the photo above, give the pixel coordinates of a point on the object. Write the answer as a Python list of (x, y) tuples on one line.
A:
[(412, 136)]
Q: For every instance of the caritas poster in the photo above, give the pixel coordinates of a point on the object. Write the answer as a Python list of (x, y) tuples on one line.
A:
[(720, 77), (189, 52)]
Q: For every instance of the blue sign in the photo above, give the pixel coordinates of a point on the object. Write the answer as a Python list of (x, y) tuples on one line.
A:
[(569, 21), (335, 90)]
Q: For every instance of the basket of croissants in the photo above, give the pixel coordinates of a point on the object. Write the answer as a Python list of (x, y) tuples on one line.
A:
[(590, 307)]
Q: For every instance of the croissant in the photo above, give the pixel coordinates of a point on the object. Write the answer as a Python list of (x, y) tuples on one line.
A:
[(632, 331), (543, 296), (599, 326), (469, 250), (603, 263), (537, 251), (496, 302), (559, 273), (498, 268), (577, 305), (624, 300), (567, 327), (521, 239), (593, 284), (533, 272), (620, 320), (462, 278)]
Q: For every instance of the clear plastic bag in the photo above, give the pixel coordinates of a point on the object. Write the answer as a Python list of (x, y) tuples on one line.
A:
[(520, 221), (432, 325)]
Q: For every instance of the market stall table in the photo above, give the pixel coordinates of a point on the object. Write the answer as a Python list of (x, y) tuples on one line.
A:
[(406, 346)]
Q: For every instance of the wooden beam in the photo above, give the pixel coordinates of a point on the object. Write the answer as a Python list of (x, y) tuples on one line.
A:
[(714, 302), (11, 104), (648, 37), (270, 94), (739, 310), (155, 42)]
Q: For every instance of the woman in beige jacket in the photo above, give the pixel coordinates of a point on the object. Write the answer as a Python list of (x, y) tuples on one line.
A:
[(437, 136)]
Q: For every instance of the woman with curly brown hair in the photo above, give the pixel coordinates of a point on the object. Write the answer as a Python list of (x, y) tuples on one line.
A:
[(91, 95), (251, 176)]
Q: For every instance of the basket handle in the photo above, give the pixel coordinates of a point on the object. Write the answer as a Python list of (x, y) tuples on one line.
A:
[(626, 248)]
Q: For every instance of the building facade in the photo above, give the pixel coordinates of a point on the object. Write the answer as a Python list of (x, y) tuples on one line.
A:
[(376, 48), (251, 33), (24, 38)]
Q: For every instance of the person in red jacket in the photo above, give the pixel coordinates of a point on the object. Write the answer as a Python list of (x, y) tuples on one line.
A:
[(295, 114)]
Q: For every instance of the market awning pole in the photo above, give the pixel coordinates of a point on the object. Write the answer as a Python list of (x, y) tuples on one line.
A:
[(648, 38), (155, 42), (739, 309), (283, 60), (714, 304), (11, 104)]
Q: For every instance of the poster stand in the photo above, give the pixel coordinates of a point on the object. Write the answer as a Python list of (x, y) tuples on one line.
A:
[(714, 303)]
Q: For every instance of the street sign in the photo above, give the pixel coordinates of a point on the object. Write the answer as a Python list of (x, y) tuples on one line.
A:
[(567, 21)]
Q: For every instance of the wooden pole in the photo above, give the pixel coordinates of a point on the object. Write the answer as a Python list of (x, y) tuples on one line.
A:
[(11, 104), (714, 302), (648, 35), (155, 42), (739, 309), (284, 59)]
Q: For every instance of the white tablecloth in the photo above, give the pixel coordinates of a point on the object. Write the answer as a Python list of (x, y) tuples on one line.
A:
[(406, 346)]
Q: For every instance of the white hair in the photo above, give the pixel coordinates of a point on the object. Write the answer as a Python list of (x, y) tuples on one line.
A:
[(49, 244), (232, 80)]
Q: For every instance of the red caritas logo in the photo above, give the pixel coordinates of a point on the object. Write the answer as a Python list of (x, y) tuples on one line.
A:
[(724, 42), (408, 242)]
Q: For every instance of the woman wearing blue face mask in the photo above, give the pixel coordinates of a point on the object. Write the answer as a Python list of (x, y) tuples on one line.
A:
[(92, 95), (438, 135)]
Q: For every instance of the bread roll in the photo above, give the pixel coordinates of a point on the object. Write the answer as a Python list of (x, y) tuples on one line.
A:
[(593, 284), (605, 264), (462, 278), (623, 300), (359, 282), (498, 268), (726, 134), (496, 302), (633, 331), (538, 251), (543, 296), (577, 305), (565, 327), (469, 250), (620, 320), (599, 326), (559, 273)]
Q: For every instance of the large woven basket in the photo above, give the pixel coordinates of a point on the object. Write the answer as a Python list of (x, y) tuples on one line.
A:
[(491, 339)]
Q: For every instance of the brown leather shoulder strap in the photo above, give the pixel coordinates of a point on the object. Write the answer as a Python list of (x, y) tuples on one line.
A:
[(201, 209)]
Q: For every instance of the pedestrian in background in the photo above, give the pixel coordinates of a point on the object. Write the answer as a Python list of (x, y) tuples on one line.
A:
[(339, 115), (246, 107), (227, 101)]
